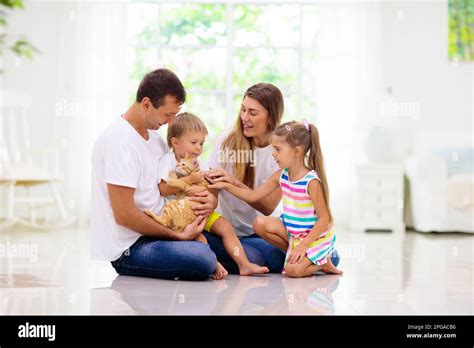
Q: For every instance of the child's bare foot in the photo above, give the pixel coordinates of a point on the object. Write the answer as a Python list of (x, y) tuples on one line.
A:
[(329, 268), (251, 269), (220, 272)]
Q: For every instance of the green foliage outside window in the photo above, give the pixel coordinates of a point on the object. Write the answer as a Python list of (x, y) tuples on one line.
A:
[(193, 41)]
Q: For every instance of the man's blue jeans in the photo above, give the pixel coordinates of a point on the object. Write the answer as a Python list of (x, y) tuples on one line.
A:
[(258, 251), (156, 258)]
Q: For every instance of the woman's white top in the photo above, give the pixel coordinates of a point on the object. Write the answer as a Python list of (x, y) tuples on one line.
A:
[(237, 212)]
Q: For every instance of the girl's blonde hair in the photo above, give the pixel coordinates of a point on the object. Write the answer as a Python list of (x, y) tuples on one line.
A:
[(271, 98), (296, 134), (183, 123)]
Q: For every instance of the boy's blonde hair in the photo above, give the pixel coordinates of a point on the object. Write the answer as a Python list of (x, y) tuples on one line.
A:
[(183, 123)]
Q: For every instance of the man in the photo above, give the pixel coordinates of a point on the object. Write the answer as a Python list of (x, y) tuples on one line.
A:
[(125, 181)]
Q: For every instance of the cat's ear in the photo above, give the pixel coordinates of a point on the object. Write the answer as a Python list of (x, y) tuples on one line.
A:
[(188, 156)]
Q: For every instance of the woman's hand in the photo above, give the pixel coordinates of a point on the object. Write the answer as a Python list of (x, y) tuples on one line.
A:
[(208, 203), (298, 254), (220, 175)]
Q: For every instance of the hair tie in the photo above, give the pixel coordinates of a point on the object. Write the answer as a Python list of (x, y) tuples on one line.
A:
[(288, 128), (306, 124)]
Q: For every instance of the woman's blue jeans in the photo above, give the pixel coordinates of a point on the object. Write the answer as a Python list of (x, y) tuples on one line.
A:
[(258, 251)]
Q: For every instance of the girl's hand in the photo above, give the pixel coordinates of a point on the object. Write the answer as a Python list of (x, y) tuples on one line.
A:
[(220, 175), (219, 185), (299, 253)]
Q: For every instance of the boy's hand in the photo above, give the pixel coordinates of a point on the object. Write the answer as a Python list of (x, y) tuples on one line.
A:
[(298, 254)]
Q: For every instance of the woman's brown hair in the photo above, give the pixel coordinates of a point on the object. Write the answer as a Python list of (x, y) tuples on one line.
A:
[(271, 98)]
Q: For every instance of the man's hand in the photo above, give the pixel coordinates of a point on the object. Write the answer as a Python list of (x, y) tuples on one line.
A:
[(193, 230), (208, 203)]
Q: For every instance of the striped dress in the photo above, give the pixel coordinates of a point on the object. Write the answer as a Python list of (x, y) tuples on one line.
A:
[(299, 217)]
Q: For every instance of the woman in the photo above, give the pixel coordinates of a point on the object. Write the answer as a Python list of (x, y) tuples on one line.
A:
[(243, 157)]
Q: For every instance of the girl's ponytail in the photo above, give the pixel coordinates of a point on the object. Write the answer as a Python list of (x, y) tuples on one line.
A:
[(306, 136), (316, 163)]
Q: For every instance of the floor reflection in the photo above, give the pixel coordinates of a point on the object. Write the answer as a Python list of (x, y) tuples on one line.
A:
[(24, 281), (421, 274), (269, 294)]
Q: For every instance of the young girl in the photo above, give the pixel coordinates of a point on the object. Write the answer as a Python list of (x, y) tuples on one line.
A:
[(304, 226), (186, 137)]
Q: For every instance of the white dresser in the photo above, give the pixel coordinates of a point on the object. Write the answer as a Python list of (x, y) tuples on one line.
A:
[(378, 197)]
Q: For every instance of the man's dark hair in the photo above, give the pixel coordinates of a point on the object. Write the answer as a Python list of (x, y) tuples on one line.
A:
[(158, 84)]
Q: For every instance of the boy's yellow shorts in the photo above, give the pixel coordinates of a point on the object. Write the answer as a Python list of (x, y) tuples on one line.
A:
[(210, 220)]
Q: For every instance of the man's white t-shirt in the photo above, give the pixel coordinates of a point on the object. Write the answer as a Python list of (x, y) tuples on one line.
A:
[(168, 164), (238, 212), (122, 157)]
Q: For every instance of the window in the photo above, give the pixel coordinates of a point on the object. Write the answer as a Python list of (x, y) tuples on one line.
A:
[(219, 50)]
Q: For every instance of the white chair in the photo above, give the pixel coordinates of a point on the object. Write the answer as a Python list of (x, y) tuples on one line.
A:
[(438, 201), (19, 170)]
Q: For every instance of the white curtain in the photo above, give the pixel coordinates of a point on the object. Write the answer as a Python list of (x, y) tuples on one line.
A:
[(78, 83), (348, 91), (92, 80)]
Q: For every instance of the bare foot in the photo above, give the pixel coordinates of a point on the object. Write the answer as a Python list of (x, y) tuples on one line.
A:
[(329, 268), (251, 269), (220, 272)]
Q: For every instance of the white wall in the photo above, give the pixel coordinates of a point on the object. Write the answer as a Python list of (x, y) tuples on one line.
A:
[(399, 60), (417, 68)]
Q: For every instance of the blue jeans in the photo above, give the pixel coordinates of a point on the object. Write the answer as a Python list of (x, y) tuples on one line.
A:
[(258, 251), (156, 258)]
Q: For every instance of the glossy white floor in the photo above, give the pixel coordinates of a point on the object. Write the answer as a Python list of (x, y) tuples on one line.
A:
[(50, 272)]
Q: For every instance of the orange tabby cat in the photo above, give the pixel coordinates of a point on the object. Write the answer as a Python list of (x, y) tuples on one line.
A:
[(177, 213)]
